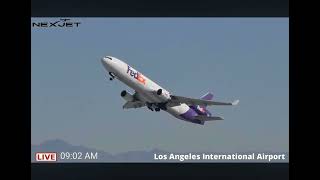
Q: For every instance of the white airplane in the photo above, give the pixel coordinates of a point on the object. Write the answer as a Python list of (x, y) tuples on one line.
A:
[(154, 97)]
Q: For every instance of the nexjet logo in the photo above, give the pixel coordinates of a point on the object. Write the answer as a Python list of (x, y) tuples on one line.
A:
[(61, 23), (135, 74)]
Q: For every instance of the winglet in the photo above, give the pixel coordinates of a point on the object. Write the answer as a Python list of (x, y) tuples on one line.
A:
[(234, 103)]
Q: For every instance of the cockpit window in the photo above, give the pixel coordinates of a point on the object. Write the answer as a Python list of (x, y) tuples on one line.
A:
[(109, 57)]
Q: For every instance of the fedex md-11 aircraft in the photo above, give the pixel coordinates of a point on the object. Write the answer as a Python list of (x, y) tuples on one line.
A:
[(154, 97)]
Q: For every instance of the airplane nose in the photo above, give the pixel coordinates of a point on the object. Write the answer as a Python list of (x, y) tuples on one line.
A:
[(107, 63), (103, 60)]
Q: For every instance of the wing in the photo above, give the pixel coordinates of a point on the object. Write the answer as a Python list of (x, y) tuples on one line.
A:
[(210, 118), (191, 101), (133, 104)]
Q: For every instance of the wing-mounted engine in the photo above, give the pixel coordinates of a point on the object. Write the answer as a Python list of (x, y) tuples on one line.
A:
[(127, 96), (163, 95), (132, 101)]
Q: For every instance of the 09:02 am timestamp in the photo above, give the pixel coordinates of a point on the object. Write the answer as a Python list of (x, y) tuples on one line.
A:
[(78, 155)]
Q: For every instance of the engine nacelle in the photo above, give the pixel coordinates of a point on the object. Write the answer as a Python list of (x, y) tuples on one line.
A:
[(159, 92), (126, 95), (163, 95)]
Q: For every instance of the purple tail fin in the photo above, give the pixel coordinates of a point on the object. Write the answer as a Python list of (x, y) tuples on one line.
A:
[(202, 110), (207, 96)]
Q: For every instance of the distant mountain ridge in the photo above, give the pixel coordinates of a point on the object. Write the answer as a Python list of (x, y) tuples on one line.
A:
[(59, 146)]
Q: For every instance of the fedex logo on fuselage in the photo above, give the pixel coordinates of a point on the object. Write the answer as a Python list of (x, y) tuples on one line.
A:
[(135, 74)]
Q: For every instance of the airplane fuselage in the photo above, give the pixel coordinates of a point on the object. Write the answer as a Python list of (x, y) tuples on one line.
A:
[(146, 89)]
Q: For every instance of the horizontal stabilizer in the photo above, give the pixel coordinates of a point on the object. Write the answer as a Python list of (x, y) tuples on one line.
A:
[(210, 118)]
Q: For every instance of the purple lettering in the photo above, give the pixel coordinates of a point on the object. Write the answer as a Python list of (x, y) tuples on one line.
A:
[(136, 75), (132, 73)]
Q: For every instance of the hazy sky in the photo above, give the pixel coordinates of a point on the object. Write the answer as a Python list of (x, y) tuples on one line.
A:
[(235, 58)]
